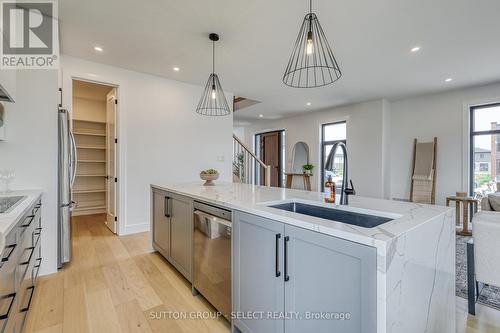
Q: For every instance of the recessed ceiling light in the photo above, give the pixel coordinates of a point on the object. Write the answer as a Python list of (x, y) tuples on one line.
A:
[(308, 103), (98, 48), (261, 115), (448, 79), (177, 69), (415, 49)]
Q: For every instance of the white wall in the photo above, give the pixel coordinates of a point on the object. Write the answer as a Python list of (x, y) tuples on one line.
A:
[(442, 115), (161, 137), (364, 140), (31, 145), (380, 139)]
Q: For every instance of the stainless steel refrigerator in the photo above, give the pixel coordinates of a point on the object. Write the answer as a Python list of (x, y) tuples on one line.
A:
[(67, 173)]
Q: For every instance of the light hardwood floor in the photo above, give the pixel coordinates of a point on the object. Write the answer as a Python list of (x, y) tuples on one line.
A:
[(117, 284)]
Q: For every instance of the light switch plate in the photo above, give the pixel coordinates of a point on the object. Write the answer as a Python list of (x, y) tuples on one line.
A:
[(220, 158)]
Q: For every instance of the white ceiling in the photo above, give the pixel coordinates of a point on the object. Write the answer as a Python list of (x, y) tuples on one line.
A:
[(371, 41)]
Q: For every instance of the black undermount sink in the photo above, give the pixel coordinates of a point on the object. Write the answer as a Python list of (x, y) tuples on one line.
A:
[(333, 214), (7, 203)]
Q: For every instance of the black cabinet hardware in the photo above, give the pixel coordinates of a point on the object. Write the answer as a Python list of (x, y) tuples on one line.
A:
[(6, 314), (287, 277), (166, 208), (31, 290), (278, 273), (9, 248)]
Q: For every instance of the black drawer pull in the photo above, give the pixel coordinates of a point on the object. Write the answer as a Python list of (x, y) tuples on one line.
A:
[(25, 225), (166, 207), (32, 249), (32, 291), (277, 255), (287, 277), (36, 270), (9, 248), (12, 297)]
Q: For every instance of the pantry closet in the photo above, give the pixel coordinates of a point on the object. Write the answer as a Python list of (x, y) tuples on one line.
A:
[(94, 114)]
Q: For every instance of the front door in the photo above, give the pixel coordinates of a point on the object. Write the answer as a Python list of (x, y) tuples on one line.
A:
[(271, 155), (110, 160)]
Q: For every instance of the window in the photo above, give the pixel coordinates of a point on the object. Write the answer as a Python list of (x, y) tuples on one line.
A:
[(331, 134), (484, 148), (483, 167)]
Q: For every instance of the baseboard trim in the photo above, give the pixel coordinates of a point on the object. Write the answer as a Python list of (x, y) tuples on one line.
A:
[(135, 228)]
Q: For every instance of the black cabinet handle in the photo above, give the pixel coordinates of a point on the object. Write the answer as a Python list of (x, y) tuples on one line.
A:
[(278, 273), (5, 315), (32, 250), (287, 277), (31, 290), (9, 248), (166, 208), (24, 225)]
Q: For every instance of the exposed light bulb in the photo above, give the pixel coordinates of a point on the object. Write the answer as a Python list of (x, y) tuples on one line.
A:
[(214, 94), (310, 46)]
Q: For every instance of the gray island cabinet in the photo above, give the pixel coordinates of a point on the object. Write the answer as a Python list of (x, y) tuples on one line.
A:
[(293, 280), (300, 273)]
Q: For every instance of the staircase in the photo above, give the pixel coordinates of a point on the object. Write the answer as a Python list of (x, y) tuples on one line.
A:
[(247, 167)]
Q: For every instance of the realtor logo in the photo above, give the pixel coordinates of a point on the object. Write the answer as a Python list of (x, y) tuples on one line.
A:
[(29, 35)]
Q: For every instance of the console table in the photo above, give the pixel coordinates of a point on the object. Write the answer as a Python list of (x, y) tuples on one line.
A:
[(306, 177), (465, 203)]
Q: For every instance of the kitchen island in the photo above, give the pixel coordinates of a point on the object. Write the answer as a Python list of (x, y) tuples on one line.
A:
[(401, 273)]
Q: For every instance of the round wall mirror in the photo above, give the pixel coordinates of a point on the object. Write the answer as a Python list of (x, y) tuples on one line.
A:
[(300, 156)]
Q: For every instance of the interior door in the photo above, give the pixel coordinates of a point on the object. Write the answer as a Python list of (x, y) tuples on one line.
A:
[(111, 180), (271, 155)]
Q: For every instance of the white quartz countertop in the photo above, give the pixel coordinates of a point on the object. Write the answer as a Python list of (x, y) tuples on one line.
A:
[(9, 220), (255, 199)]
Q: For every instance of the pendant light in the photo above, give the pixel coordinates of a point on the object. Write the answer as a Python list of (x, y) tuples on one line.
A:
[(312, 63), (213, 101)]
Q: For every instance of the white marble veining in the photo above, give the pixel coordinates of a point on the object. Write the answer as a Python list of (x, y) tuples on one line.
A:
[(415, 251), (254, 199), (9, 220)]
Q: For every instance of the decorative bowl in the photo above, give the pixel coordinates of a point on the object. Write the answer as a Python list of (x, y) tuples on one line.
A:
[(209, 178)]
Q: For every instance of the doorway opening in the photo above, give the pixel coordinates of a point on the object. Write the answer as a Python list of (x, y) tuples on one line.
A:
[(94, 115), (270, 149)]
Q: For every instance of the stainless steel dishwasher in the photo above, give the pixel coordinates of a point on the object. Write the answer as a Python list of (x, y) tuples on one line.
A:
[(212, 255)]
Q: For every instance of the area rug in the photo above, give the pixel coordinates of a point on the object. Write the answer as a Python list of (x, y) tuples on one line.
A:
[(490, 296)]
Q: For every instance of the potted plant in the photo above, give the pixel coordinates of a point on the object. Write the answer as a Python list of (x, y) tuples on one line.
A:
[(307, 168), (209, 176)]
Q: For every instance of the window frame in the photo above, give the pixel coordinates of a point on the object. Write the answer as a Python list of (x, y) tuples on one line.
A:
[(472, 135), (324, 143)]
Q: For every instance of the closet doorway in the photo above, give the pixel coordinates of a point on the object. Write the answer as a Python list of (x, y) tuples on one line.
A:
[(94, 114)]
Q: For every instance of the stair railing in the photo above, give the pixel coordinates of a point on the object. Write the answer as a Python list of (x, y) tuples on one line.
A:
[(247, 167)]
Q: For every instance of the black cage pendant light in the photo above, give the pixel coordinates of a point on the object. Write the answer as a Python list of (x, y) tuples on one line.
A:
[(312, 63), (213, 101)]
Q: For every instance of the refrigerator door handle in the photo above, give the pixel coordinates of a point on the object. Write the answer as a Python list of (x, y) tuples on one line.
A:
[(74, 158)]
